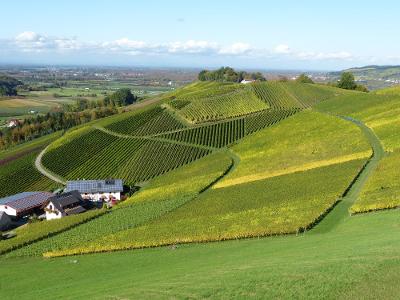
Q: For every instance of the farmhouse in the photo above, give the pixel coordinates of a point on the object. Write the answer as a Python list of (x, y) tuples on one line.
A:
[(97, 190), (245, 81), (66, 204), (12, 123), (24, 204)]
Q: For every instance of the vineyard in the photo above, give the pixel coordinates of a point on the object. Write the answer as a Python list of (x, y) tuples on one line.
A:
[(161, 196), (225, 133), (149, 122), (21, 175), (132, 159), (233, 104), (283, 95), (237, 212)]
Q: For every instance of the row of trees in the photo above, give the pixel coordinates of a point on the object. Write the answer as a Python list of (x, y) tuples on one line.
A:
[(81, 112), (227, 74), (40, 125), (121, 97)]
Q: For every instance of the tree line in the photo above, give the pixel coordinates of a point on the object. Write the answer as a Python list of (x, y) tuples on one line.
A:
[(227, 74), (81, 112)]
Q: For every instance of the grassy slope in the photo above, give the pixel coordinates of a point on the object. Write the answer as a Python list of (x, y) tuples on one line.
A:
[(304, 141), (360, 259), (382, 114), (382, 190)]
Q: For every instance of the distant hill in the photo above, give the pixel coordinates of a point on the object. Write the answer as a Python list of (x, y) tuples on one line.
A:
[(375, 77)]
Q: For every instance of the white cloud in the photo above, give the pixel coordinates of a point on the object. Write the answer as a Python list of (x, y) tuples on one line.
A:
[(34, 42), (325, 56), (282, 49), (29, 41), (236, 49)]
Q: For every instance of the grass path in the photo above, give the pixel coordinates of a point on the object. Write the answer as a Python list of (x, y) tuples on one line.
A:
[(340, 212)]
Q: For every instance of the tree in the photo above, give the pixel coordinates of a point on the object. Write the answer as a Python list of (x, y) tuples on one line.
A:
[(121, 97), (8, 86), (347, 81), (303, 78)]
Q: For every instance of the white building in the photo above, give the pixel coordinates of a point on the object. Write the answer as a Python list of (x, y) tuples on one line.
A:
[(245, 81), (12, 123), (97, 190), (66, 204), (24, 204)]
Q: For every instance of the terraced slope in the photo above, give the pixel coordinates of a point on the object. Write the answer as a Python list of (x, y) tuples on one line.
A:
[(283, 182), (282, 95), (162, 195)]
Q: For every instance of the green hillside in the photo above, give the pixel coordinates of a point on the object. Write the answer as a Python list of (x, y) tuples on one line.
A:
[(224, 161)]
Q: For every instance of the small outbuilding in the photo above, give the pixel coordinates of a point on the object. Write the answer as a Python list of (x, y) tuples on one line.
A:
[(66, 204)]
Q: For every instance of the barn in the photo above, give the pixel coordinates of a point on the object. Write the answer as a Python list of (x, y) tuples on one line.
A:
[(24, 204)]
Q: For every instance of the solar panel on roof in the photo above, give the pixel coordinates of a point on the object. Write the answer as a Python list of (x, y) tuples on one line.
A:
[(94, 186)]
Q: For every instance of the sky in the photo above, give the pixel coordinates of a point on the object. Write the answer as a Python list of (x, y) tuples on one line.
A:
[(289, 35)]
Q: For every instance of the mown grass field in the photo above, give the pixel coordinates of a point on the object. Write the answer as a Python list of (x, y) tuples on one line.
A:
[(358, 260)]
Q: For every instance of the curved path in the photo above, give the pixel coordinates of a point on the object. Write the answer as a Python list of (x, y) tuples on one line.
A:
[(340, 212), (44, 171)]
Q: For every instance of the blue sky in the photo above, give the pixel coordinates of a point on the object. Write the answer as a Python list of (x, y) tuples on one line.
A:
[(284, 34)]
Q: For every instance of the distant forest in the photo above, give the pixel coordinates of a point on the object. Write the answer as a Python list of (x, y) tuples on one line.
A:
[(8, 86)]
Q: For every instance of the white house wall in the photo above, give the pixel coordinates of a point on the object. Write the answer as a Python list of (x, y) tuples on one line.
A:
[(8, 210), (99, 196)]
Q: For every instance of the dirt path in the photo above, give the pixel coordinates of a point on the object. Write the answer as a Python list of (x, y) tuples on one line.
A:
[(44, 171), (340, 212)]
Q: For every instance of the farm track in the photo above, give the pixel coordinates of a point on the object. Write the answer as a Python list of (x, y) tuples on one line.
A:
[(340, 213), (44, 171), (153, 138)]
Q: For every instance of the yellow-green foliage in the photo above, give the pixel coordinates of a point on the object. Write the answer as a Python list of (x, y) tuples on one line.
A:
[(188, 180), (279, 205), (283, 95), (301, 142), (379, 112), (36, 231), (394, 90), (382, 189)]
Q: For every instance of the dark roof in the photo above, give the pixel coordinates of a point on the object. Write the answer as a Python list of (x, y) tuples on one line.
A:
[(27, 200), (75, 210), (73, 198), (95, 186)]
